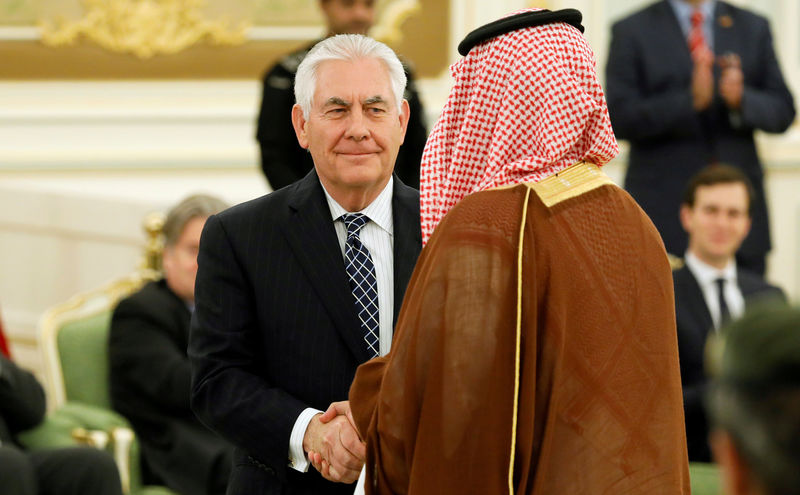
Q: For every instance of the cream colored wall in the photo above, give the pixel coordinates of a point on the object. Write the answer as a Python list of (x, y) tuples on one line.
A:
[(66, 232)]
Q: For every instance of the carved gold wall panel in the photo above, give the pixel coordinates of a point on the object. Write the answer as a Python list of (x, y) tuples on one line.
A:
[(144, 27), (195, 39)]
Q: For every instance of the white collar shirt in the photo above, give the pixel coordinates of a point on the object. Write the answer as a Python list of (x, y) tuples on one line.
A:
[(377, 235), (706, 276), (683, 11)]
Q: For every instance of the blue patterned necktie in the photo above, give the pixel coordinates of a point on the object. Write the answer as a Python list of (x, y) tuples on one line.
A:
[(363, 283)]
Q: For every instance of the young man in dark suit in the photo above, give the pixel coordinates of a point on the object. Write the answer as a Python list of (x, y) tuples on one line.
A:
[(297, 288), (150, 375), (710, 289), (688, 82)]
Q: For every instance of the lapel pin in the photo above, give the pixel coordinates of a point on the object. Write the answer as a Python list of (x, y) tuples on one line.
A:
[(725, 21)]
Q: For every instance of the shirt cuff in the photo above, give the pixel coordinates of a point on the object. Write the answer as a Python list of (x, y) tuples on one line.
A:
[(297, 457)]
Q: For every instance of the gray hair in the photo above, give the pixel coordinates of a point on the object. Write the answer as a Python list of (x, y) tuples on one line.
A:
[(196, 205), (348, 47)]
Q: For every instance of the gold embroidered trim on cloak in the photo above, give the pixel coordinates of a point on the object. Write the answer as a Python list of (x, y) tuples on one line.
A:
[(144, 28), (570, 182), (518, 346)]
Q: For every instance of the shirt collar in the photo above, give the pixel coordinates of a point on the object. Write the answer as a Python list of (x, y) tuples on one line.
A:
[(379, 211), (707, 274), (683, 11)]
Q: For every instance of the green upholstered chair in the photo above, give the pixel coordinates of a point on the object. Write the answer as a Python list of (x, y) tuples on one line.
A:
[(73, 337), (704, 478)]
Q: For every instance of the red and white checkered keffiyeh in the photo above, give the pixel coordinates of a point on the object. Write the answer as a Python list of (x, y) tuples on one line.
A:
[(524, 105)]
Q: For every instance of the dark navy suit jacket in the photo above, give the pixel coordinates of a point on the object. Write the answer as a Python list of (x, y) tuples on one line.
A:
[(648, 80), (275, 328), (694, 324), (149, 380)]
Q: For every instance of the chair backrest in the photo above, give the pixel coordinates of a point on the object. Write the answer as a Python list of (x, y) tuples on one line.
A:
[(82, 350), (73, 336), (74, 342), (705, 479)]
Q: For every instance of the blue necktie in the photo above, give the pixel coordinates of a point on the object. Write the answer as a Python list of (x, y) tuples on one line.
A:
[(363, 283)]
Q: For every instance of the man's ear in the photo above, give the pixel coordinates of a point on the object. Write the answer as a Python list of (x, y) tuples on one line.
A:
[(405, 113), (299, 124)]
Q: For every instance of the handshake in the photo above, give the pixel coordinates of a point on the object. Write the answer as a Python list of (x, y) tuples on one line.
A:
[(333, 445)]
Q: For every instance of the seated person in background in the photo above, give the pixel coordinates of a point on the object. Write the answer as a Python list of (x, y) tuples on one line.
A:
[(710, 289), (150, 375), (65, 471), (754, 404)]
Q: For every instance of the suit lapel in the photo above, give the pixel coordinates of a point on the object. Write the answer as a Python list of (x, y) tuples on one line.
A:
[(725, 38), (695, 302), (312, 238), (674, 42), (407, 240)]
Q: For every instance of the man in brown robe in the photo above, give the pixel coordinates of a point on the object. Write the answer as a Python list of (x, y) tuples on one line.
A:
[(536, 349)]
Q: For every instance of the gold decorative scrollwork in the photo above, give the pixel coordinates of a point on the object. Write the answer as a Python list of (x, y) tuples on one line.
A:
[(388, 28), (144, 27)]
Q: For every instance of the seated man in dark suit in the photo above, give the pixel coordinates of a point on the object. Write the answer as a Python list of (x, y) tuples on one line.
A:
[(754, 403), (65, 471), (710, 289), (150, 375)]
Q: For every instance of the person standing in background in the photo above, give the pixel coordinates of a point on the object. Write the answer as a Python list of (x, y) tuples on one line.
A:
[(688, 82), (283, 161)]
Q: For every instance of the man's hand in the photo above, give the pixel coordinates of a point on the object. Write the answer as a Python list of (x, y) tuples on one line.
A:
[(339, 409), (702, 79), (333, 446), (731, 80)]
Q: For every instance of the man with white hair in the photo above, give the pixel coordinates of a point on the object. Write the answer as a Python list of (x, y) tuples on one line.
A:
[(282, 160), (536, 349), (297, 288)]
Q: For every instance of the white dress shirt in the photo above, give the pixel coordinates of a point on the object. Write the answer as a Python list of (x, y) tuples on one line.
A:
[(706, 276), (377, 237)]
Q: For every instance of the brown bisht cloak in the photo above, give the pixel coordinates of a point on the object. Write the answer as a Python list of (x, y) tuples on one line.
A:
[(547, 366)]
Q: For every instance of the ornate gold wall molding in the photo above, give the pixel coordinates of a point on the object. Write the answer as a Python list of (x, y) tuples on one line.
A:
[(144, 27), (68, 52), (389, 26)]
